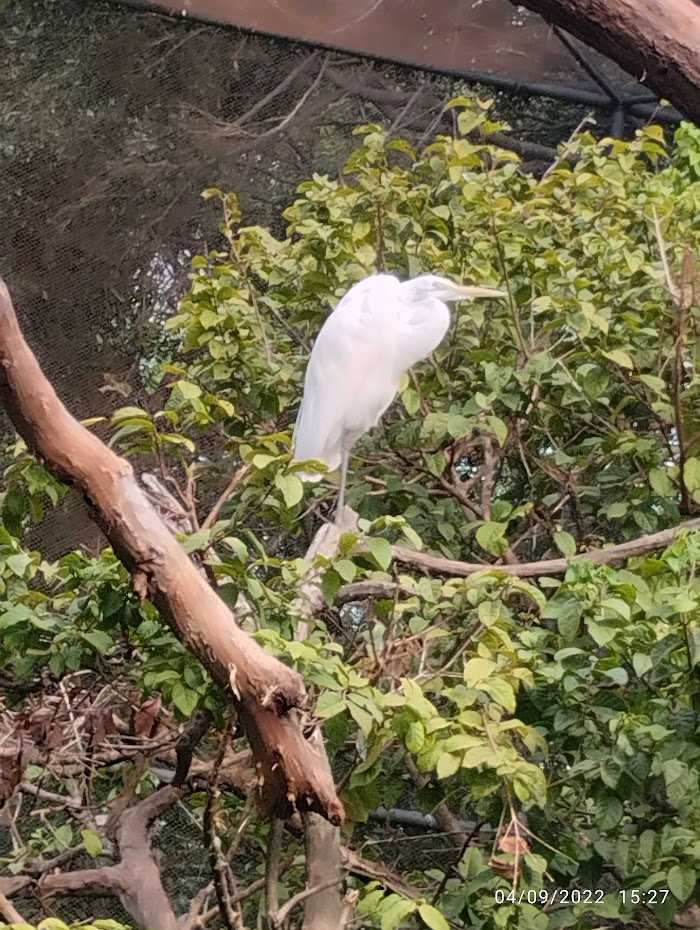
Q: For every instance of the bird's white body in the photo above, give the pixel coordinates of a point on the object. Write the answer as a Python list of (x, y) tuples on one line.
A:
[(367, 343), (380, 329)]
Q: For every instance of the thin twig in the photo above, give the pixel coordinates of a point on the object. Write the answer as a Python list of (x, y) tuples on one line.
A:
[(272, 870), (219, 866), (564, 151), (670, 283), (296, 899), (678, 385), (238, 477)]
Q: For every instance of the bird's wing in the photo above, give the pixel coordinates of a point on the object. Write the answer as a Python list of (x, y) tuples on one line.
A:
[(350, 378)]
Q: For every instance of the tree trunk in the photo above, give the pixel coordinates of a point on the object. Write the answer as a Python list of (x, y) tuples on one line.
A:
[(657, 41)]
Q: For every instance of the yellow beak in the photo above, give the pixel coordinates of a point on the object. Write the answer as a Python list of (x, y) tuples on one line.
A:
[(466, 292)]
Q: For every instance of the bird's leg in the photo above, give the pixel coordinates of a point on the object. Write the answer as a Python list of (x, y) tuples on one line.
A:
[(341, 491)]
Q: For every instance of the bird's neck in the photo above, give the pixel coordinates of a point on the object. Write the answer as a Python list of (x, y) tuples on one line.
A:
[(422, 333)]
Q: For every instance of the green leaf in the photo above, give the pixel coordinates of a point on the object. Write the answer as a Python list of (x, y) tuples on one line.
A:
[(565, 543), (658, 385), (18, 564), (185, 699), (15, 615), (330, 585), (681, 881), (128, 413), (642, 663), (381, 550), (370, 902), (91, 842), (411, 401), (196, 541), (681, 783), (623, 359), (330, 705), (502, 692), (346, 569), (617, 606), (415, 737), (480, 755), (567, 612), (432, 917), (595, 382), (489, 535), (361, 717), (477, 670), (394, 909), (291, 487), (262, 461), (608, 811), (530, 784), (661, 483), (500, 429), (691, 474), (99, 640), (447, 765), (188, 389)]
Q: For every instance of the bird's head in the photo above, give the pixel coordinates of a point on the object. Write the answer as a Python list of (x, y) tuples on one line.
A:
[(433, 285)]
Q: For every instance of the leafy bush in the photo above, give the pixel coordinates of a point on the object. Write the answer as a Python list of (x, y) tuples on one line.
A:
[(563, 701)]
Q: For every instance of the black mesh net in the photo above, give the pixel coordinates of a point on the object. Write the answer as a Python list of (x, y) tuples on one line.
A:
[(114, 122)]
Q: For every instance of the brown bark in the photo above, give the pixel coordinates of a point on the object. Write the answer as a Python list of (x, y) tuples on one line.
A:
[(323, 910), (8, 913), (657, 41), (269, 696), (143, 894), (609, 556)]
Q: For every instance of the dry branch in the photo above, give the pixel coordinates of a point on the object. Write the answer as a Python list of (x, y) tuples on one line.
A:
[(657, 41), (609, 556), (323, 909), (269, 696), (135, 880)]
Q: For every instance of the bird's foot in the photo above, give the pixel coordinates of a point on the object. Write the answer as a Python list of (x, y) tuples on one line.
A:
[(347, 520)]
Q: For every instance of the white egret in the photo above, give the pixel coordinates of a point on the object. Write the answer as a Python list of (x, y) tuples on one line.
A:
[(380, 329)]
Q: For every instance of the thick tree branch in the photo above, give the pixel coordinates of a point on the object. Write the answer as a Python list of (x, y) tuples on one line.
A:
[(269, 696), (143, 894), (657, 41)]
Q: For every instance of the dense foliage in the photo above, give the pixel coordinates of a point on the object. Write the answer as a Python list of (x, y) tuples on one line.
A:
[(563, 419)]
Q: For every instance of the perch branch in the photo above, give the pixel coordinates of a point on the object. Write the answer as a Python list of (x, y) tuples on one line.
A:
[(323, 852), (609, 556), (267, 694)]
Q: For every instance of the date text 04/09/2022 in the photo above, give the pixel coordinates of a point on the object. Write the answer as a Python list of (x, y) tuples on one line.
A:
[(548, 897)]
